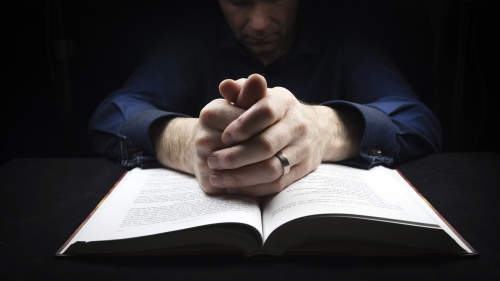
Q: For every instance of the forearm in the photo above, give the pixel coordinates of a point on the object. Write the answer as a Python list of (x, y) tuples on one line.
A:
[(173, 140), (342, 129), (396, 130)]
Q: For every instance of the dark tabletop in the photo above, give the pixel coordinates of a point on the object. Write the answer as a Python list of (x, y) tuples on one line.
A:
[(43, 201)]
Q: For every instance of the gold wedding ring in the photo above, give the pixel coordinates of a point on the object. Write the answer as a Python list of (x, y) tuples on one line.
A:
[(284, 162)]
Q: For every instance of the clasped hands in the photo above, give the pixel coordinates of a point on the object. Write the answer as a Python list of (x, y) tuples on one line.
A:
[(232, 146), (238, 137)]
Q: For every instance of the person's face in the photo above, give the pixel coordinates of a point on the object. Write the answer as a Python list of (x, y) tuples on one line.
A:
[(264, 27)]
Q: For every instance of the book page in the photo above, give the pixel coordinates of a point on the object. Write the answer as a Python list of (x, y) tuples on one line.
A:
[(153, 201), (335, 189)]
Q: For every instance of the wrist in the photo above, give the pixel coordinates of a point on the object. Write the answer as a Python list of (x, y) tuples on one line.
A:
[(346, 128), (174, 143)]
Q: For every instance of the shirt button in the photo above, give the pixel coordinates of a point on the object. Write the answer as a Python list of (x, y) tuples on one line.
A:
[(375, 152)]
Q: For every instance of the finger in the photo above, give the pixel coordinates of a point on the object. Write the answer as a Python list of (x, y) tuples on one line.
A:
[(261, 172), (244, 92), (202, 176), (213, 119), (218, 114), (256, 149), (206, 141), (230, 89), (263, 114), (297, 172), (209, 189), (254, 89)]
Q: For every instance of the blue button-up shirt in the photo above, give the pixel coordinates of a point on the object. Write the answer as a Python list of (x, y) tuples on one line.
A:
[(183, 74)]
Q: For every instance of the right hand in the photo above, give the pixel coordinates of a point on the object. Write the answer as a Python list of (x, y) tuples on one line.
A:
[(185, 143), (207, 138), (216, 116)]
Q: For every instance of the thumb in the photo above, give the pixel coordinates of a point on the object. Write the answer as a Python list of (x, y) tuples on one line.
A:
[(254, 89)]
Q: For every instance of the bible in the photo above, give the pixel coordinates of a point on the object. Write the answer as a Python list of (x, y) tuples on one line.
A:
[(334, 210)]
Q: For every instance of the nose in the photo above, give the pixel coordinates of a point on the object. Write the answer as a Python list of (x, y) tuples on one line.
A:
[(259, 18)]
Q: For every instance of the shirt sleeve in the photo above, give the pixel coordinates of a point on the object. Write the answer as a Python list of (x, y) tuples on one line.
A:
[(398, 126), (118, 126)]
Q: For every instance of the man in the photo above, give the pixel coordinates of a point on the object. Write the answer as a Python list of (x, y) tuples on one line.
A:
[(295, 94)]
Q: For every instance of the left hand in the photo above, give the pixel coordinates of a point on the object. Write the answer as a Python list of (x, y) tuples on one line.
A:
[(277, 121)]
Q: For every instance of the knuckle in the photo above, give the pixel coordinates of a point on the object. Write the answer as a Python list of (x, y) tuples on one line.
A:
[(236, 180), (206, 143), (267, 144), (301, 128), (228, 160), (212, 111), (206, 115), (275, 169), (202, 139), (266, 111), (302, 150)]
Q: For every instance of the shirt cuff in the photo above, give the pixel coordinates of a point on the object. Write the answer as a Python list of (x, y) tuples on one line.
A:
[(378, 144), (136, 129)]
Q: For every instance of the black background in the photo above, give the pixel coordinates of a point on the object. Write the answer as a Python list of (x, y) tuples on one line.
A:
[(60, 58)]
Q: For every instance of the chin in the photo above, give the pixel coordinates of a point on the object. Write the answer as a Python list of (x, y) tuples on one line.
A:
[(262, 50)]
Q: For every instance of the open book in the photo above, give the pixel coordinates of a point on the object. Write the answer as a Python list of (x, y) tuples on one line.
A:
[(335, 210)]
